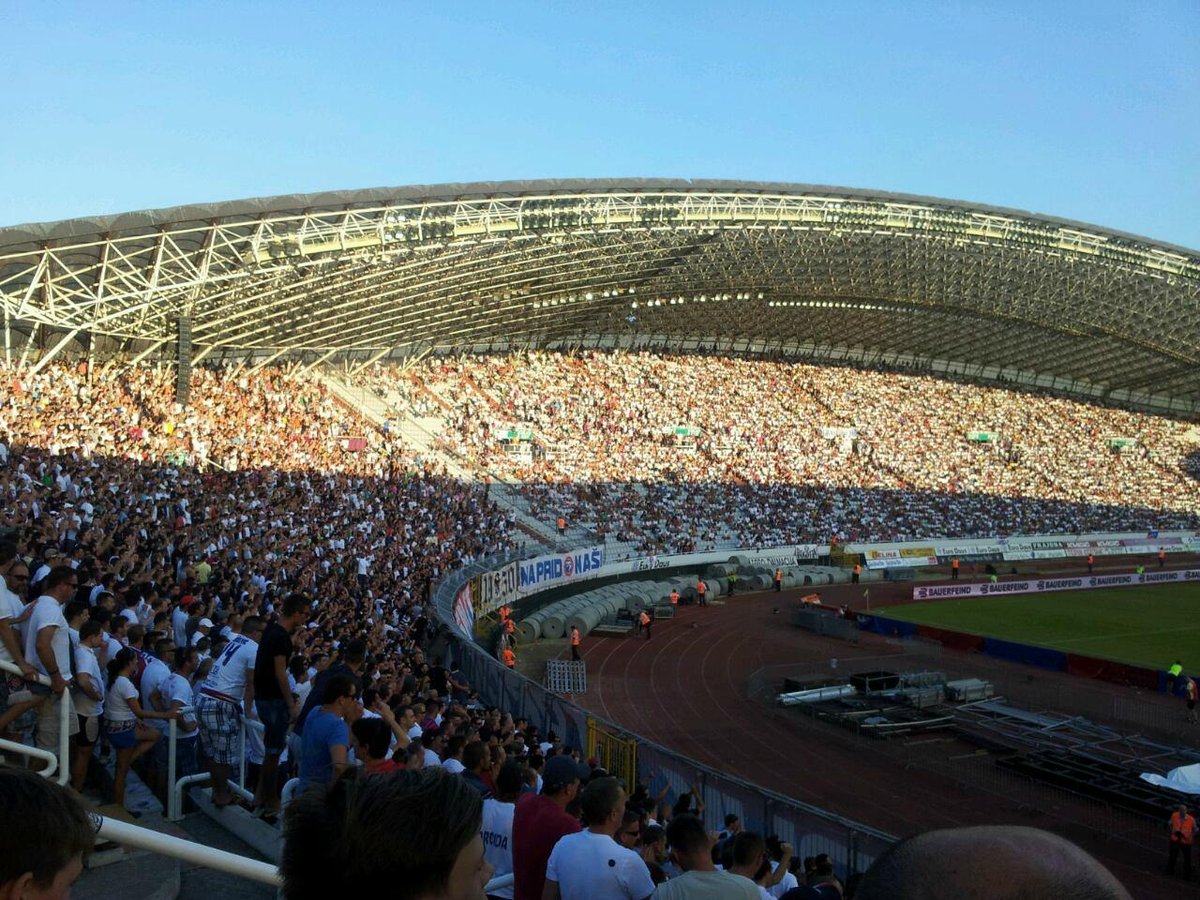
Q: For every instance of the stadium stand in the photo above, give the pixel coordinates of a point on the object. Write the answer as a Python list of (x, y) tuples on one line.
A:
[(781, 453), (637, 408)]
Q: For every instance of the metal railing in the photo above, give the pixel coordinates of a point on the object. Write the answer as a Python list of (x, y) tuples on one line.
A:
[(811, 830), (128, 835), (60, 763)]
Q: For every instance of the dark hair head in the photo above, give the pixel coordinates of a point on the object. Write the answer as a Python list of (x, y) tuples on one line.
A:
[(74, 609), (293, 604), (89, 629), (337, 687), (59, 575), (405, 831), (54, 828), (355, 652), (475, 754), (600, 798), (183, 654), (511, 777), (373, 734), (748, 848), (124, 657), (686, 834)]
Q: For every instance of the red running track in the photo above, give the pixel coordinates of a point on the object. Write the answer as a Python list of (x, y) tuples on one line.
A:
[(686, 688)]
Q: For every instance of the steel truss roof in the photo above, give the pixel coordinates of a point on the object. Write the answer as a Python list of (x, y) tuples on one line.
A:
[(705, 263)]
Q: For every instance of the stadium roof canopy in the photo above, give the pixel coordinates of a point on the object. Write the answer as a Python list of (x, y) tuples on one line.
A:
[(816, 272)]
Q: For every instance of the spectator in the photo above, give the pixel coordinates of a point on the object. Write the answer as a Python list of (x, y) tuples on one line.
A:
[(987, 863), (226, 695), (497, 830), (369, 739), (591, 863), (327, 737), (123, 719), (176, 693), (415, 833), (88, 698), (44, 855), (691, 850), (273, 698), (48, 648), (539, 820)]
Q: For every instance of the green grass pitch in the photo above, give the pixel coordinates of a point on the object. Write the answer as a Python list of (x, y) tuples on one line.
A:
[(1148, 626)]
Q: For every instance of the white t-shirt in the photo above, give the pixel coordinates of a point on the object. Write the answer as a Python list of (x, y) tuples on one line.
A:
[(453, 765), (788, 882), (10, 607), (235, 664), (153, 677), (496, 832), (87, 664), (716, 885), (177, 688), (179, 626), (591, 866), (116, 701), (48, 614)]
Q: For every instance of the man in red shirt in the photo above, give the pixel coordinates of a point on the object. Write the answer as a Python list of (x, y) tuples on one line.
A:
[(540, 820)]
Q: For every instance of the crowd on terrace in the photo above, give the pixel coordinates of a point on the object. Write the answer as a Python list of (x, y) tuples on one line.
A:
[(775, 452), (154, 539), (165, 538)]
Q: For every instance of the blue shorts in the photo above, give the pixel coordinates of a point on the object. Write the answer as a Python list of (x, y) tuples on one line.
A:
[(122, 735), (275, 716)]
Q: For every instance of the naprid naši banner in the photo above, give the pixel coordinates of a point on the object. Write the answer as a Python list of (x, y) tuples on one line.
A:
[(558, 568)]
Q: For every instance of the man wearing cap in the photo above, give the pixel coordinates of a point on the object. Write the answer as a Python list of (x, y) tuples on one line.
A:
[(203, 628), (540, 820)]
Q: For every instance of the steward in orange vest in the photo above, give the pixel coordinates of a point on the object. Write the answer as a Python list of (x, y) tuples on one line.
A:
[(644, 623), (856, 573), (574, 643), (701, 590), (510, 658), (778, 580), (674, 597), (1183, 835)]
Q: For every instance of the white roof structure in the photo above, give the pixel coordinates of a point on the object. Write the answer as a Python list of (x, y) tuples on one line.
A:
[(814, 272)]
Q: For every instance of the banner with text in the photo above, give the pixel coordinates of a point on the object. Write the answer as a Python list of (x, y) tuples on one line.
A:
[(464, 613), (545, 572), (1044, 585), (496, 589)]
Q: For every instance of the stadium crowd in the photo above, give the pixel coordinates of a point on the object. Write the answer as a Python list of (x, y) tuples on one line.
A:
[(771, 453), (262, 553)]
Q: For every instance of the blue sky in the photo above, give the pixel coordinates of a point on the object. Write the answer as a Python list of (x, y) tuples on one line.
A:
[(1084, 110)]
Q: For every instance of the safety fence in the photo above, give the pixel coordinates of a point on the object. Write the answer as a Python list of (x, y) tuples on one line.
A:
[(969, 771), (809, 829)]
